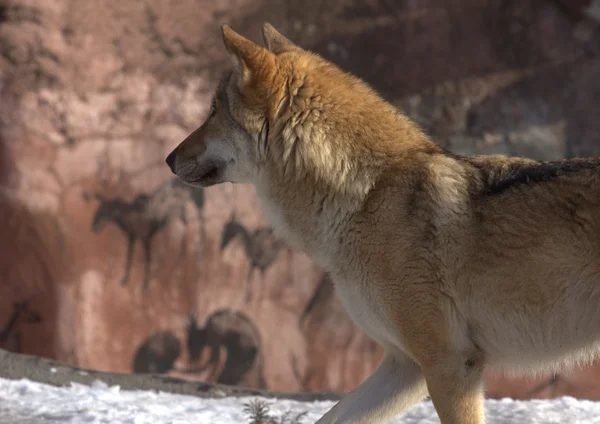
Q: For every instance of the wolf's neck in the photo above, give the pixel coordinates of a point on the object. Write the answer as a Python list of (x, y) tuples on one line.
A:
[(308, 217), (318, 180), (342, 159)]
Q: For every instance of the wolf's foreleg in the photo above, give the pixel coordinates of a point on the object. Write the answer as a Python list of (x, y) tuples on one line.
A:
[(457, 395), (396, 385)]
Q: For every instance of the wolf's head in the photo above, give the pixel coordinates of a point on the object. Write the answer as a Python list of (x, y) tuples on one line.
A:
[(286, 109), (227, 146)]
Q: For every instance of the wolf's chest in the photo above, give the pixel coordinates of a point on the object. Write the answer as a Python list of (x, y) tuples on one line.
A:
[(278, 220), (296, 228), (360, 301), (367, 312)]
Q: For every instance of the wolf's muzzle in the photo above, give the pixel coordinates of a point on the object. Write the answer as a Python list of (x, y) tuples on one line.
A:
[(171, 161)]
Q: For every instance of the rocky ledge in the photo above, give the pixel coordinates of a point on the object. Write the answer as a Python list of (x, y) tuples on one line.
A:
[(16, 366)]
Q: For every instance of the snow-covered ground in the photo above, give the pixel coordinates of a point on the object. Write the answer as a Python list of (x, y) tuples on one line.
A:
[(27, 402)]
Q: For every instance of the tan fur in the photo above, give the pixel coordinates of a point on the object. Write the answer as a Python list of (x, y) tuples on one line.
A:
[(452, 263)]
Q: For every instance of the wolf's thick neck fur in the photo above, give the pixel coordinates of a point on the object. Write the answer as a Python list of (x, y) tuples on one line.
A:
[(316, 136), (318, 161)]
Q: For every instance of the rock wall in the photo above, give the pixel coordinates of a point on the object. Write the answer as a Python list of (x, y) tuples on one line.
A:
[(109, 263)]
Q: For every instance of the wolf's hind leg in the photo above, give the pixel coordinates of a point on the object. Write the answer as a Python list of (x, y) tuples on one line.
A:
[(396, 385)]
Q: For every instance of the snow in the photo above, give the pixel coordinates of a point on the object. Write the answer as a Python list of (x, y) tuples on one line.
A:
[(27, 402)]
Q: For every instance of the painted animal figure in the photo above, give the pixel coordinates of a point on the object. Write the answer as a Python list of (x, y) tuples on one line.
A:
[(144, 217), (10, 336), (234, 332), (453, 263), (260, 245), (157, 354)]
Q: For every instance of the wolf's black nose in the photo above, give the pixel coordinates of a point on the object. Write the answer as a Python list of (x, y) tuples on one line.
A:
[(171, 161)]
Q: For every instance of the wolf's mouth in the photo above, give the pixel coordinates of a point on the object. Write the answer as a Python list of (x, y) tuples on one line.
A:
[(210, 175)]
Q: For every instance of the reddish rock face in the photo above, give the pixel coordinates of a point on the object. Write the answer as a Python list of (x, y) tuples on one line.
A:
[(108, 262)]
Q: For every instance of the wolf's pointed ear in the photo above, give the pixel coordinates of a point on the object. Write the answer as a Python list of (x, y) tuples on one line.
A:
[(276, 42), (249, 58)]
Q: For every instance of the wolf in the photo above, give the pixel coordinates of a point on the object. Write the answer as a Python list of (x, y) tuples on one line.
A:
[(453, 263)]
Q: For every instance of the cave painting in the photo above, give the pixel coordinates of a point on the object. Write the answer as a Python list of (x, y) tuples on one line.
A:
[(227, 350), (157, 354), (144, 217), (261, 247), (232, 344), (10, 336)]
